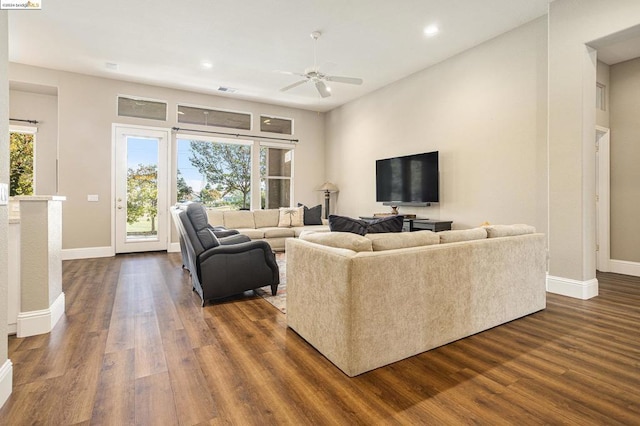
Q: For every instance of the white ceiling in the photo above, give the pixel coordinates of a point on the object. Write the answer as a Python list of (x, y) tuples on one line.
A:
[(248, 41)]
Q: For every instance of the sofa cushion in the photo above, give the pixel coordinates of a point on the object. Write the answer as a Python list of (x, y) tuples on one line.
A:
[(347, 224), (266, 218), (398, 240), (236, 219), (277, 232), (345, 240), (386, 224), (290, 216), (312, 215), (495, 231), (215, 217), (462, 235)]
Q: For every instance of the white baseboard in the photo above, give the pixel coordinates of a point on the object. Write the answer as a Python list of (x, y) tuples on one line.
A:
[(572, 288), (624, 267), (6, 381), (174, 247), (87, 253), (40, 322)]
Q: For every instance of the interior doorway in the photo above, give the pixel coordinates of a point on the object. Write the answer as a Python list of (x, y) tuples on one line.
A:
[(140, 189), (603, 247)]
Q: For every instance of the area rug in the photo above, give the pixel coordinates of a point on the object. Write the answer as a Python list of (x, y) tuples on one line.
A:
[(280, 299)]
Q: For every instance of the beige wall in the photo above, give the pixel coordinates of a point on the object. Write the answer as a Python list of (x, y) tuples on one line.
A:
[(44, 109), (4, 178), (86, 111), (625, 154), (572, 76), (602, 77), (483, 110)]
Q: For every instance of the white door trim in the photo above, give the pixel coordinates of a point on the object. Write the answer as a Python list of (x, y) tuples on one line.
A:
[(603, 253), (166, 182)]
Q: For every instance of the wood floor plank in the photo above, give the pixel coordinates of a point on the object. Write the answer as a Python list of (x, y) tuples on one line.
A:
[(115, 399), (136, 347), (154, 400)]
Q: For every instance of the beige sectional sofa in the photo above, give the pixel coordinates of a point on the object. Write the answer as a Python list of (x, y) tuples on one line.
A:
[(260, 225), (365, 302)]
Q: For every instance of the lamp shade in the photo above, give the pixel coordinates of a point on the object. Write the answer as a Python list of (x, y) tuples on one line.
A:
[(328, 187)]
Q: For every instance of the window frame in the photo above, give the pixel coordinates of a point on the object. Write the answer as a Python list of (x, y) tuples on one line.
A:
[(256, 178)]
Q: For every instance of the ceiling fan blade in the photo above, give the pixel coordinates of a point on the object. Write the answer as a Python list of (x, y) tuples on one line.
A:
[(290, 73), (322, 89), (291, 86), (348, 80)]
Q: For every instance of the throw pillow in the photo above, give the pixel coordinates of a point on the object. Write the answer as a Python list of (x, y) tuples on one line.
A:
[(312, 215), (347, 224), (207, 238), (386, 224), (290, 217)]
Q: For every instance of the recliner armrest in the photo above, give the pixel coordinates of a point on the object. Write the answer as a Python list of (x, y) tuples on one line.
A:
[(237, 248), (234, 239)]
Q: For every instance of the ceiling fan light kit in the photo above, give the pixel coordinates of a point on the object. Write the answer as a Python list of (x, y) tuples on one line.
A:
[(319, 79)]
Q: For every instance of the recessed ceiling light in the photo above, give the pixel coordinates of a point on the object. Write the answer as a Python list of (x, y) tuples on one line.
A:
[(207, 65), (431, 30)]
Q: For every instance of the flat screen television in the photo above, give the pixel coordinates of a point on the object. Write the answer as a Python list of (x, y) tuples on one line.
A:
[(408, 179)]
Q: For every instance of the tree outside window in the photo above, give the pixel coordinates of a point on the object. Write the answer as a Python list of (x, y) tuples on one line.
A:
[(21, 163)]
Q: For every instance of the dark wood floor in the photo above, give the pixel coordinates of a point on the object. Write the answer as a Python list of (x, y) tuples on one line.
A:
[(135, 347)]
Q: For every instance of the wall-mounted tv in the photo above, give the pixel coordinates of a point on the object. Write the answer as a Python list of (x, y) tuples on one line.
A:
[(408, 179)]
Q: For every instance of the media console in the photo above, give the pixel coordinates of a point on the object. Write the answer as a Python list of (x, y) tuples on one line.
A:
[(411, 225)]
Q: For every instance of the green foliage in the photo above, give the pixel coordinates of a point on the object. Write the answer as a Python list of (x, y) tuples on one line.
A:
[(21, 164), (225, 166), (185, 192), (142, 194)]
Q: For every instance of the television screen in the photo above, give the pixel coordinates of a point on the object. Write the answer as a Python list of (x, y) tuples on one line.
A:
[(408, 179)]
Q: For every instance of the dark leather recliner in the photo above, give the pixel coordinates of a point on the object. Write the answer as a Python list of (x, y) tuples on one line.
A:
[(222, 267)]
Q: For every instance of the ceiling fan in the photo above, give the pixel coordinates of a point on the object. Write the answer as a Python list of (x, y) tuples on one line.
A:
[(314, 75)]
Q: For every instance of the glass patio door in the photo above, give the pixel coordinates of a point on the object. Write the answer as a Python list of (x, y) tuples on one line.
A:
[(141, 190)]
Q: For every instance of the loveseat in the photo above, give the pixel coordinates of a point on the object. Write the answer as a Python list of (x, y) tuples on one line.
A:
[(367, 301), (262, 225)]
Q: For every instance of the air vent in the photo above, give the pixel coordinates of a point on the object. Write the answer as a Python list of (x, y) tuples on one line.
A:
[(142, 108)]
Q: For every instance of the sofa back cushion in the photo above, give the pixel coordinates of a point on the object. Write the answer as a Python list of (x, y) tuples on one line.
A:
[(462, 235), (345, 240), (398, 240), (495, 231), (266, 218), (239, 219), (197, 215), (216, 217)]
